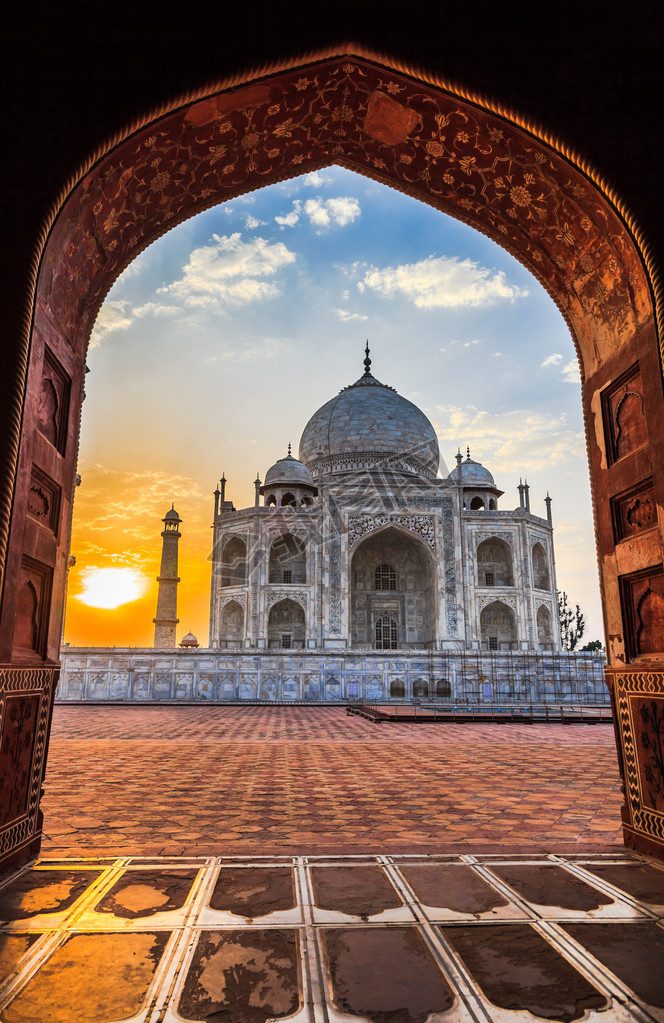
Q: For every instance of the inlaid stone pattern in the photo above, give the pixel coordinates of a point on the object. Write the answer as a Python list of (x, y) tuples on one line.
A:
[(390, 937), (421, 525)]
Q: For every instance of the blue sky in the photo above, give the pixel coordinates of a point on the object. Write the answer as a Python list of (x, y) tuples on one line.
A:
[(217, 344)]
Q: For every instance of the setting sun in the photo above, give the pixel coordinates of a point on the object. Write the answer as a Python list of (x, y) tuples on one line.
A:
[(111, 587)]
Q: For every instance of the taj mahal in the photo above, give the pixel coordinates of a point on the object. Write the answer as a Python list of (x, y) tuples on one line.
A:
[(360, 573)]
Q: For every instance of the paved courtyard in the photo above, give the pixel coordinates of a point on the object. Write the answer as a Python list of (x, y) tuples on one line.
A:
[(210, 781)]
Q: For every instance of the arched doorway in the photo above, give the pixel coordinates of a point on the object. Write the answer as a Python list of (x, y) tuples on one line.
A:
[(392, 597), (498, 627), (463, 156), (286, 626)]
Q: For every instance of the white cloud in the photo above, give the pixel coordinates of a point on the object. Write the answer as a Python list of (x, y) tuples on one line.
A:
[(112, 316), (290, 219), (571, 373), (498, 355), (251, 222), (156, 309), (324, 212), (268, 348), (316, 180), (443, 282), (519, 440), (133, 269), (345, 316), (228, 272)]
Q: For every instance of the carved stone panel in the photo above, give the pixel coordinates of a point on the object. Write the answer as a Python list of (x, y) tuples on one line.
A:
[(624, 415), (44, 500), (53, 404), (635, 511), (643, 606), (32, 607), (16, 746), (421, 525)]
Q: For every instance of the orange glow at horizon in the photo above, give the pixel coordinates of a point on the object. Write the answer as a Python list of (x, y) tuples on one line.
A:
[(116, 538)]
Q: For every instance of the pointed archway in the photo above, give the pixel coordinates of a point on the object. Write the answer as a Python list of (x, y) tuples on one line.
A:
[(465, 157)]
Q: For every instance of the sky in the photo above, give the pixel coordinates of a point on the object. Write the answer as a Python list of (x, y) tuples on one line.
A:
[(217, 344)]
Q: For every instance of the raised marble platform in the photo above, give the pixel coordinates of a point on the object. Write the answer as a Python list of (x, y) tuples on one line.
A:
[(146, 675)]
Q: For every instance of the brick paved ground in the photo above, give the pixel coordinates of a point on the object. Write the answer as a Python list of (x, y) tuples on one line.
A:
[(286, 780)]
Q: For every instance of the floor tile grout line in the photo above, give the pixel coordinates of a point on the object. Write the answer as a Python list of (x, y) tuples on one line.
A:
[(185, 940), (453, 969), (500, 886), (594, 970), (319, 994), (55, 936), (618, 895)]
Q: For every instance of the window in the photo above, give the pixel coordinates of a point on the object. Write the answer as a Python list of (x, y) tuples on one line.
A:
[(286, 641), (386, 633), (493, 642), (288, 575), (488, 579), (385, 578)]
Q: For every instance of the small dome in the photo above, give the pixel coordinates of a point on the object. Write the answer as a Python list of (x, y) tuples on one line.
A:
[(473, 474), (172, 514), (289, 471), (189, 640)]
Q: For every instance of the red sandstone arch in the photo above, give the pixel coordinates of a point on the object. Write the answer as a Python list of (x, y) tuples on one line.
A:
[(459, 153)]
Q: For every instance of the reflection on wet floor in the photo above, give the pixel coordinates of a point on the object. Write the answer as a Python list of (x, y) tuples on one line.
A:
[(403, 939)]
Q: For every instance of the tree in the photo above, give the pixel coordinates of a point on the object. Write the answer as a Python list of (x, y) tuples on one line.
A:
[(595, 644), (572, 622)]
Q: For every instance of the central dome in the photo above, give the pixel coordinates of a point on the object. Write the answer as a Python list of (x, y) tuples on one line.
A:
[(368, 425)]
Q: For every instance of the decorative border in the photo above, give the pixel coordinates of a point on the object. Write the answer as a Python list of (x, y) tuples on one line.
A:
[(646, 821), (38, 681), (299, 596), (482, 535), (420, 525)]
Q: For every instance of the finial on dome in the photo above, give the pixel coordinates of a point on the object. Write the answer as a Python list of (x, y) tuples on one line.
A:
[(367, 360), (289, 454), (468, 452)]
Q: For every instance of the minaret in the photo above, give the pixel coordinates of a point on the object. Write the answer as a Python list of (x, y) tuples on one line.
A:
[(167, 600)]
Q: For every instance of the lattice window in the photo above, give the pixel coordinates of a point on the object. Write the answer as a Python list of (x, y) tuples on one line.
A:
[(286, 641), (386, 633), (385, 578), (493, 642), (288, 575), (488, 579)]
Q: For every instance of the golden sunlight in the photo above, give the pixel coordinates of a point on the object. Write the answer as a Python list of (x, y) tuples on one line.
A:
[(111, 587)]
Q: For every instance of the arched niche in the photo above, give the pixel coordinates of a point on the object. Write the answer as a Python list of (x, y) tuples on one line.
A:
[(443, 687), (544, 628), (477, 504), (234, 562), (231, 624), (541, 577), (464, 155), (397, 689), (494, 563), (498, 626), (392, 580), (286, 625), (288, 560)]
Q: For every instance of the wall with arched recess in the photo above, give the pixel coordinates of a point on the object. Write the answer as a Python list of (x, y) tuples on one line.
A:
[(459, 153)]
